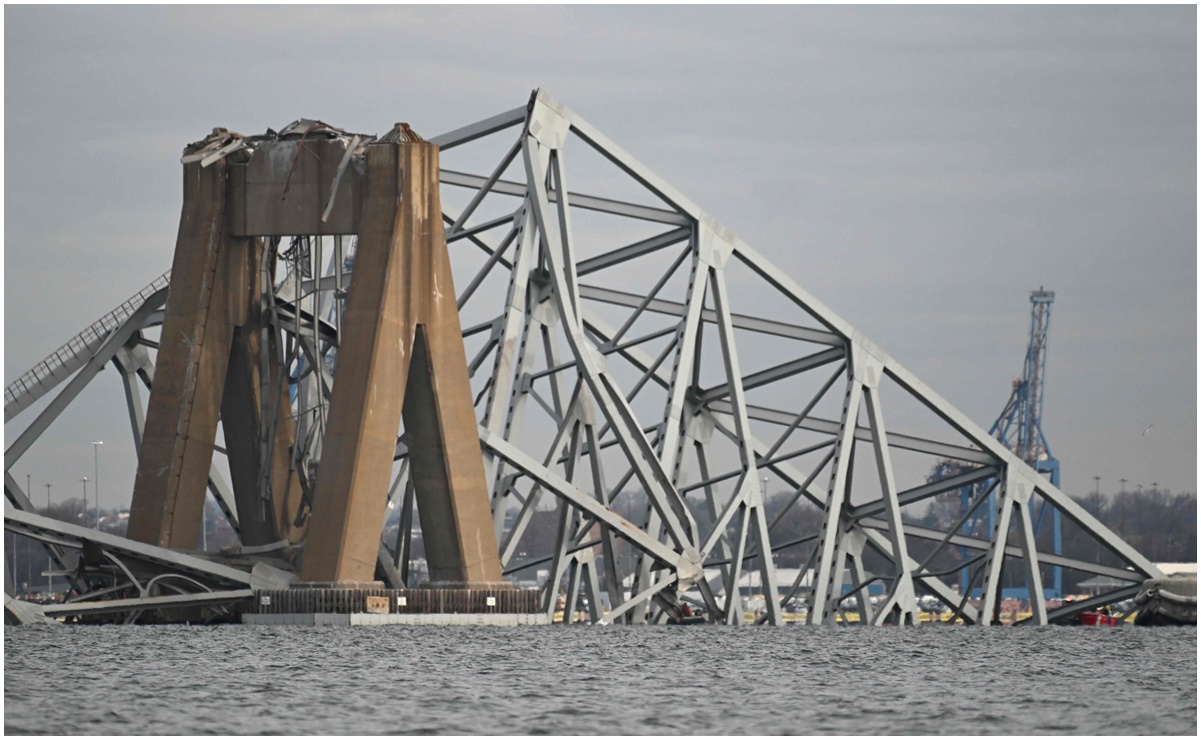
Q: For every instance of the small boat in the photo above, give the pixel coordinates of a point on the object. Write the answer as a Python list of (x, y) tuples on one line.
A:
[(1097, 619)]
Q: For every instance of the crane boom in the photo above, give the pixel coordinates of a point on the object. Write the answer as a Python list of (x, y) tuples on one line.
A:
[(1019, 427)]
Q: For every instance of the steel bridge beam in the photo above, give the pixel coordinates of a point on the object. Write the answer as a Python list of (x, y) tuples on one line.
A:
[(1011, 551), (72, 535), (146, 603)]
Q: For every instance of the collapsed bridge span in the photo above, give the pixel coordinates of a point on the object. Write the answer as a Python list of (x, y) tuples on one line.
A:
[(566, 374)]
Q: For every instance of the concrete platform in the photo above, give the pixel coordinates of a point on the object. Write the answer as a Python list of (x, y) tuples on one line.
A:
[(319, 606), (347, 620)]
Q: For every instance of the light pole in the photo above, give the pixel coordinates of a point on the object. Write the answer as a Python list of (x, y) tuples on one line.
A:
[(1123, 482), (84, 481), (96, 477), (1097, 490), (49, 578)]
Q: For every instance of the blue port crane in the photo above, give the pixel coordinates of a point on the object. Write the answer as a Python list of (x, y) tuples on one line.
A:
[(1020, 429)]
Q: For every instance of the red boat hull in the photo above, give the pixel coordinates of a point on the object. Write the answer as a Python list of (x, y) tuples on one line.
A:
[(1097, 619)]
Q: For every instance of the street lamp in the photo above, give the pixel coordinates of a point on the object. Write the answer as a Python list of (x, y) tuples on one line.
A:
[(49, 578), (96, 477), (84, 481)]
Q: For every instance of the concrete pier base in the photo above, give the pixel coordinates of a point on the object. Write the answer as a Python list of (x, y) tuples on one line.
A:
[(314, 605), (354, 620)]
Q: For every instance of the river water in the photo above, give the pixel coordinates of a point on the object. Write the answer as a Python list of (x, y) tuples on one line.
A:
[(599, 680)]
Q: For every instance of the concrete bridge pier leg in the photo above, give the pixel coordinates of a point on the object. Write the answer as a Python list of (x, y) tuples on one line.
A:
[(401, 349), (185, 403)]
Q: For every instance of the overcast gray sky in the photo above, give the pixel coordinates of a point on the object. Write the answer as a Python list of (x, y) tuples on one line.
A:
[(920, 170)]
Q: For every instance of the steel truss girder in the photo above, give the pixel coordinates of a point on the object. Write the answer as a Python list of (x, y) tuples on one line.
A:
[(1011, 551), (71, 535), (112, 343), (146, 603), (545, 302)]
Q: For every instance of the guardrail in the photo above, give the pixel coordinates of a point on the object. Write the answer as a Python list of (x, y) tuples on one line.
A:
[(67, 357)]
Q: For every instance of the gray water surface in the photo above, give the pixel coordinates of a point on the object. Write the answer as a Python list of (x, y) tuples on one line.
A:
[(596, 680)]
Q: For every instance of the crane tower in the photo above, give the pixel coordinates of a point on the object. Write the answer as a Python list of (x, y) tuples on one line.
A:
[(1019, 427)]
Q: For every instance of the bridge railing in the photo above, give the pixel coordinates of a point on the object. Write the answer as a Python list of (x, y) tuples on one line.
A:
[(73, 354)]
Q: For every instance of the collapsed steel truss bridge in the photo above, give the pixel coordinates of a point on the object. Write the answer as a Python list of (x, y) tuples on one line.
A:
[(637, 367)]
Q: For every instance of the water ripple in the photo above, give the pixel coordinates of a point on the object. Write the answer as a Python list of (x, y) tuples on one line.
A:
[(587, 680)]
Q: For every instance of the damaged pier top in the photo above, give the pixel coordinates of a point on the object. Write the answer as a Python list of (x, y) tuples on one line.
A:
[(306, 179)]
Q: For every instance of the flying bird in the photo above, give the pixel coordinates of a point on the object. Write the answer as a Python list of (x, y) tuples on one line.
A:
[(1147, 429)]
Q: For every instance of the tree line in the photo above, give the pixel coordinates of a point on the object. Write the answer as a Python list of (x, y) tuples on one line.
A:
[(1160, 524)]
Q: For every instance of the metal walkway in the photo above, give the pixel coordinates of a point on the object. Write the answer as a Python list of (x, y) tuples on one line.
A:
[(60, 364)]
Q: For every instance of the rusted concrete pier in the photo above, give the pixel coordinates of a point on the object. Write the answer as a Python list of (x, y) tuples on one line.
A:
[(402, 350), (400, 353)]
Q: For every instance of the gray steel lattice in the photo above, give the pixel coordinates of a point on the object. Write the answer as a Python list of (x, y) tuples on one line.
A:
[(563, 399)]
